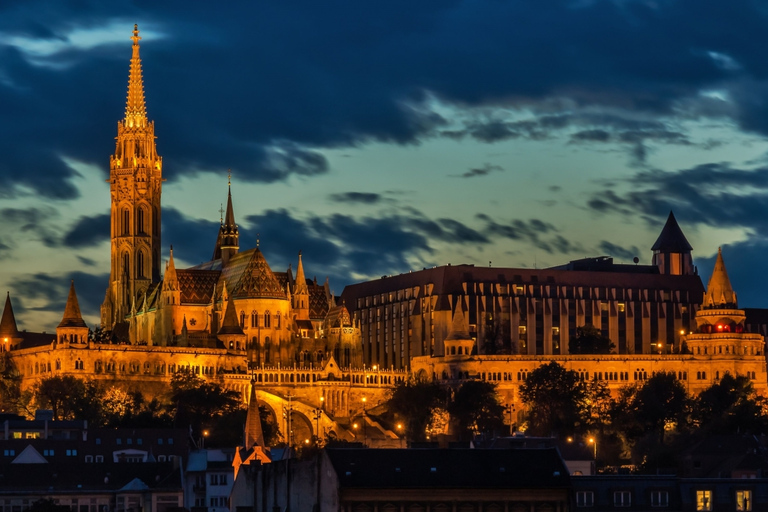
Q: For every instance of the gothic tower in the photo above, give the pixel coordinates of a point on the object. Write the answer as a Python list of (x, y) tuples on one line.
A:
[(672, 252), (228, 242), (135, 179)]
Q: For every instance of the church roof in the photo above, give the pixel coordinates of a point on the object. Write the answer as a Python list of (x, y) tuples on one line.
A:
[(72, 315), (248, 276), (672, 238), (338, 316), (318, 300), (197, 286), (719, 293)]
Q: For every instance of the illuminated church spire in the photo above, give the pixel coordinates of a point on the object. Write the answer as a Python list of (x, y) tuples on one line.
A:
[(228, 241), (136, 185), (719, 294), (135, 108)]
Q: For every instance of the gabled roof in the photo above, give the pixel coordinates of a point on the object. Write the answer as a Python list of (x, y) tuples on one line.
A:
[(29, 456), (672, 238)]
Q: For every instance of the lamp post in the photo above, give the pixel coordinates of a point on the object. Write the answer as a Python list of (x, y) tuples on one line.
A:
[(593, 442), (318, 413), (399, 427)]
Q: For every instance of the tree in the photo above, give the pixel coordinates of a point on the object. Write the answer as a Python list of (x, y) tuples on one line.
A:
[(556, 399), (69, 398), (475, 408), (415, 401), (730, 406), (202, 405), (590, 340), (10, 385), (660, 401)]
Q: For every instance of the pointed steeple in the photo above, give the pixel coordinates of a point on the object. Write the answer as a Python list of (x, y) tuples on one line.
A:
[(254, 435), (671, 251), (720, 294), (9, 333), (228, 241), (230, 325), (301, 280), (135, 107), (72, 315)]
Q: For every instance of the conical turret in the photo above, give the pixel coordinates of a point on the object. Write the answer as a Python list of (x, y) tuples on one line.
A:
[(300, 295), (72, 316), (459, 342), (719, 294), (135, 107), (229, 324), (72, 328), (254, 435), (671, 251), (9, 333)]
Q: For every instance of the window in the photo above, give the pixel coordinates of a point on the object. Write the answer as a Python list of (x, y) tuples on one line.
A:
[(99, 458), (170, 440), (703, 500), (9, 453), (48, 453), (622, 498), (744, 500), (89, 458), (267, 320), (659, 498), (585, 498), (71, 453)]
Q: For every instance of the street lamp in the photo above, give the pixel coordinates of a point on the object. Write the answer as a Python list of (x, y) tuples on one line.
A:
[(202, 439), (400, 433), (593, 442)]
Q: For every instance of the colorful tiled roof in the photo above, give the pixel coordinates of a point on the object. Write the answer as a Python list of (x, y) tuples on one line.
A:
[(197, 286)]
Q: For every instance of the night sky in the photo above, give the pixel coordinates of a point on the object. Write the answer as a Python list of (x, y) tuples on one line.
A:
[(383, 137)]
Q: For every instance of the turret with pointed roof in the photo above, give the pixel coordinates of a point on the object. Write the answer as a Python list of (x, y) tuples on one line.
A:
[(671, 251), (228, 241), (719, 294), (72, 328), (300, 294), (9, 333), (135, 183)]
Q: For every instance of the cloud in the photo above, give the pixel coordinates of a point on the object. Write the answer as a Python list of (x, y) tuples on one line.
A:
[(88, 231), (617, 251), (485, 170), (356, 197), (716, 195), (32, 221), (538, 233)]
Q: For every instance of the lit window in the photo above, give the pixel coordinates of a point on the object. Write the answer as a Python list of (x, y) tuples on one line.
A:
[(659, 498), (744, 500), (622, 499), (704, 500), (585, 498), (621, 307)]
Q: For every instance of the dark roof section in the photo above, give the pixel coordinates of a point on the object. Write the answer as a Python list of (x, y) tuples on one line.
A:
[(672, 238), (8, 323), (449, 469)]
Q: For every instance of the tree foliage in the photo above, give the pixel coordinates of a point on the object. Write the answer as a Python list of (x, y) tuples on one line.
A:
[(10, 385), (556, 399), (476, 409), (590, 340), (415, 401), (731, 406)]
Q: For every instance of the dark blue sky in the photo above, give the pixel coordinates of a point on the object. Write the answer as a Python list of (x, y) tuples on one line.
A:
[(379, 137)]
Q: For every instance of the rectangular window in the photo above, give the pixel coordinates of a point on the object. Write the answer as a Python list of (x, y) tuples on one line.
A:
[(703, 501), (585, 498), (659, 498), (622, 499), (99, 458), (744, 500)]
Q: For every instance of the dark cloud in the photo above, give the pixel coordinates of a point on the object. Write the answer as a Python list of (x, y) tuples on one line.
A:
[(356, 197), (485, 170), (741, 260), (88, 231), (538, 233), (712, 194), (49, 293), (337, 75), (32, 221), (617, 251)]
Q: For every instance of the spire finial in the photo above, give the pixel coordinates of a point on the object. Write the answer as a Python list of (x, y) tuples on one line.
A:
[(258, 235), (229, 178), (135, 108), (135, 37), (221, 213)]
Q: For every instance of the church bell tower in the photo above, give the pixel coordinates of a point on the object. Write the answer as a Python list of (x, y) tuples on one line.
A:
[(135, 178)]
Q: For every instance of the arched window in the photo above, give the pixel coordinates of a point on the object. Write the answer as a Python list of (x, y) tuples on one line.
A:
[(126, 222), (140, 219), (242, 319), (126, 264), (277, 320), (266, 319), (267, 350), (254, 319), (140, 264)]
